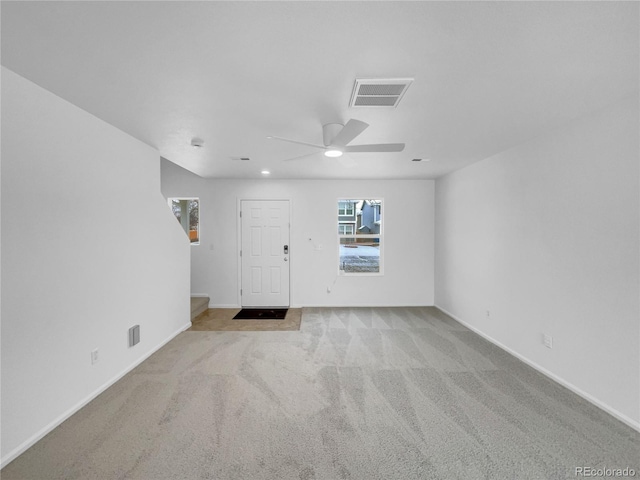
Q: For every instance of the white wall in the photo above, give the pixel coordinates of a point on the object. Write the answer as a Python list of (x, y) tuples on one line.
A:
[(408, 238), (89, 248), (545, 236)]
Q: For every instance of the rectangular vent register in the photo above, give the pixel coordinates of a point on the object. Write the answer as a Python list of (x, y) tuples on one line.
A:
[(381, 92)]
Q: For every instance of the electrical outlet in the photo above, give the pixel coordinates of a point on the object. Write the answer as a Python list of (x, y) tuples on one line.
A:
[(488, 314), (547, 340), (94, 356), (134, 335)]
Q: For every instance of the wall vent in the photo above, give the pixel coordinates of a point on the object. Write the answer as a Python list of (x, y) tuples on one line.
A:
[(380, 92)]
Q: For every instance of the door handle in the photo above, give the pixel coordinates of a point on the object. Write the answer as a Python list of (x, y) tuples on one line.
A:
[(286, 249), (286, 259)]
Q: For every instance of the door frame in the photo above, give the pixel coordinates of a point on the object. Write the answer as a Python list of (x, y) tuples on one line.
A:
[(239, 201)]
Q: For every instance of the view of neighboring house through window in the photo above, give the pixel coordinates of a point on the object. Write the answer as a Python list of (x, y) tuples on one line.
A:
[(345, 208), (187, 211), (346, 229), (360, 236)]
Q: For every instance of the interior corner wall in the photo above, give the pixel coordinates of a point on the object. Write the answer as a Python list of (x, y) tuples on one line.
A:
[(89, 249), (408, 216), (543, 239)]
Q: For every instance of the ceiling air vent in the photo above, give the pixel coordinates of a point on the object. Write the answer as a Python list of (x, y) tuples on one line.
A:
[(379, 92)]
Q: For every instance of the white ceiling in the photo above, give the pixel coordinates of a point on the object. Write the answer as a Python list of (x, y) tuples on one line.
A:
[(488, 75)]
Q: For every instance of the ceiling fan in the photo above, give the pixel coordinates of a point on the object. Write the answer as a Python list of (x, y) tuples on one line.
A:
[(336, 138)]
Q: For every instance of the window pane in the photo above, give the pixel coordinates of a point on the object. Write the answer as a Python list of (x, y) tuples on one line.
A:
[(360, 255), (370, 217), (346, 207), (346, 229), (194, 220), (187, 212), (175, 208)]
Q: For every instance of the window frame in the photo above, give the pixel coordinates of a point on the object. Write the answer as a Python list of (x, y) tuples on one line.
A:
[(362, 236)]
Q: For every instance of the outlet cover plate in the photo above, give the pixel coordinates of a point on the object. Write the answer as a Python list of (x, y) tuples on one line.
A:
[(134, 335)]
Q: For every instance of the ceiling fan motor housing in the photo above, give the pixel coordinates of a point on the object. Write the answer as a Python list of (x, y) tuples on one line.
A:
[(329, 132)]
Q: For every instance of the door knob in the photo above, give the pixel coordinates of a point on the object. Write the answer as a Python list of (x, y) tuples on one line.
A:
[(286, 259)]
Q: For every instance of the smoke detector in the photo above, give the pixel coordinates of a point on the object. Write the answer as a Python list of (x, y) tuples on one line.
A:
[(379, 92)]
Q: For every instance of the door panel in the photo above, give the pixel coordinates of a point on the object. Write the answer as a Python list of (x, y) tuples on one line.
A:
[(265, 265), (256, 280), (276, 242), (276, 280), (256, 241)]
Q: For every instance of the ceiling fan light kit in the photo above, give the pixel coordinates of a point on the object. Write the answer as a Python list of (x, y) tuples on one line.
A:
[(336, 138), (332, 153)]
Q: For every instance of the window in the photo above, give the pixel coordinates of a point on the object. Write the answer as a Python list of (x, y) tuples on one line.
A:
[(346, 208), (377, 213), (346, 229), (360, 241), (187, 211)]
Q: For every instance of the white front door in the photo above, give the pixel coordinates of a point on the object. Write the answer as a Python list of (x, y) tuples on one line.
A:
[(265, 253)]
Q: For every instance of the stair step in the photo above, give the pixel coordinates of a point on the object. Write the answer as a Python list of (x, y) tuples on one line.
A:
[(198, 305)]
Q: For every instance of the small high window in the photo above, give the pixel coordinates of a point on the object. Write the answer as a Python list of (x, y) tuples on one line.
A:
[(187, 211)]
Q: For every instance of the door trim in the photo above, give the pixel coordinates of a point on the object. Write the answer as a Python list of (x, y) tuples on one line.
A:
[(239, 201)]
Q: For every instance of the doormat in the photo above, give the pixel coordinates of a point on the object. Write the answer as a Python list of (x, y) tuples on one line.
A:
[(261, 314)]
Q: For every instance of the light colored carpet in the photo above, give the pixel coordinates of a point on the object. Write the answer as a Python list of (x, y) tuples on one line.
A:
[(357, 393)]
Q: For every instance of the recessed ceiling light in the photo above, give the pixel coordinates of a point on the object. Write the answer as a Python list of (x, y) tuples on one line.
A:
[(420, 160), (197, 142), (265, 172), (332, 153)]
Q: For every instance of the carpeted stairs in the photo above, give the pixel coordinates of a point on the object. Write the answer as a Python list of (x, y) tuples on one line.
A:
[(198, 305)]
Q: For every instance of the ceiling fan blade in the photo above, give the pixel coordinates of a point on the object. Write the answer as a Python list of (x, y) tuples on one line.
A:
[(295, 141), (380, 147), (351, 130), (300, 157)]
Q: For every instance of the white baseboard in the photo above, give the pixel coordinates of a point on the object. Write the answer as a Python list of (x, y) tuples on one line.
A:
[(369, 305), (229, 305), (601, 405), (16, 452)]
